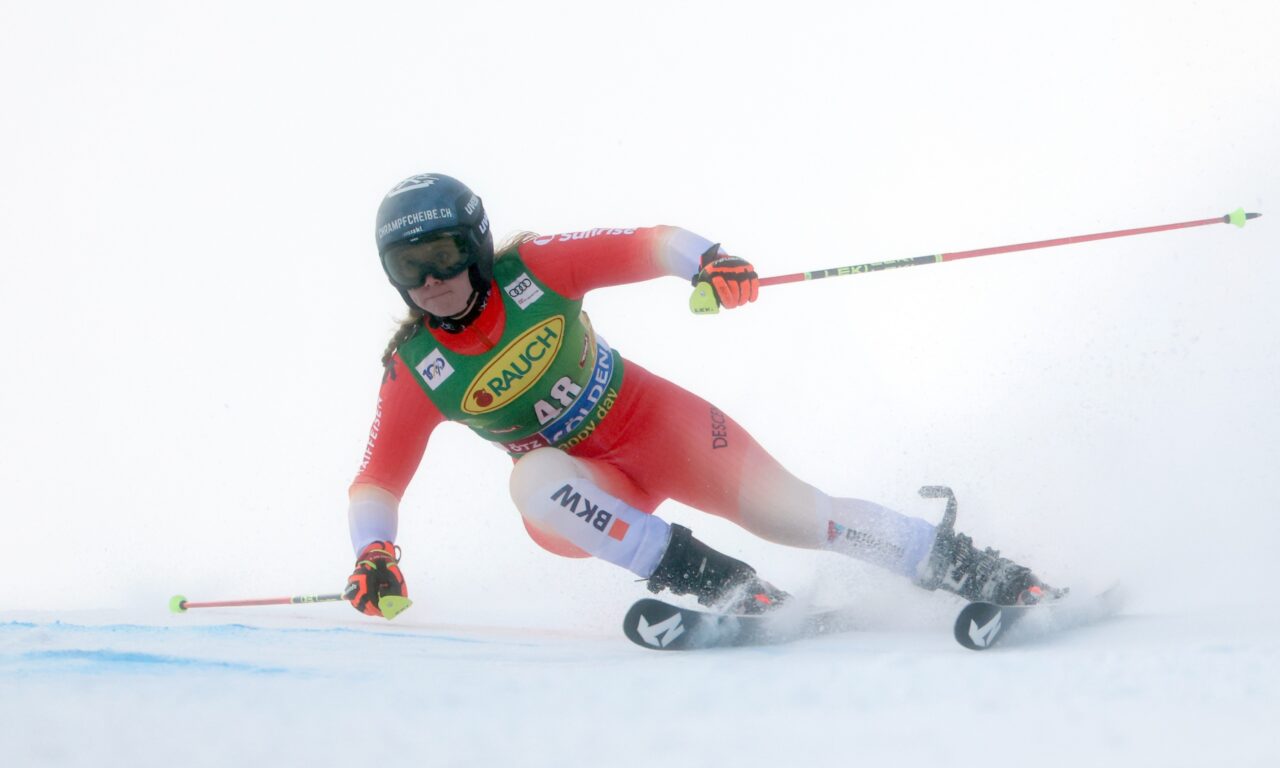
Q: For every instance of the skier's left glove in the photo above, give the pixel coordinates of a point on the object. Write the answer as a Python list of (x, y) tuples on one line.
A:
[(377, 586), (733, 279)]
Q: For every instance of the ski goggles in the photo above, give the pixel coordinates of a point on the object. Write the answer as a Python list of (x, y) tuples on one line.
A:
[(409, 264)]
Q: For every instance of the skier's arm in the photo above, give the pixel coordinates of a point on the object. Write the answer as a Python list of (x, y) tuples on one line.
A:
[(373, 514), (397, 441), (572, 264), (398, 438)]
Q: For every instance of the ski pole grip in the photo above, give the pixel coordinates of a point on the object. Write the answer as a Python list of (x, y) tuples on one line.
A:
[(703, 301)]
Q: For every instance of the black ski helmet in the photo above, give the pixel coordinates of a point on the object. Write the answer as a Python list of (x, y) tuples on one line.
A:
[(431, 205)]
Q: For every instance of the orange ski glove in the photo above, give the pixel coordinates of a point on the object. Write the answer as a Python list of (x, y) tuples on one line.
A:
[(377, 586), (733, 279)]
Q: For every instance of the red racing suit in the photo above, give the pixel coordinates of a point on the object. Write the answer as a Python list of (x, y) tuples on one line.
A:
[(658, 441)]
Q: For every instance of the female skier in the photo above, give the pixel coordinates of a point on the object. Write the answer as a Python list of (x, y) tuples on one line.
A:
[(500, 343)]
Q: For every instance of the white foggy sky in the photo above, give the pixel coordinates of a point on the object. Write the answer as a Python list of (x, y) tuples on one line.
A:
[(193, 311)]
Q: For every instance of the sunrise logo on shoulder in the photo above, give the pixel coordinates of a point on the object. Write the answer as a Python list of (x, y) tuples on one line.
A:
[(516, 368)]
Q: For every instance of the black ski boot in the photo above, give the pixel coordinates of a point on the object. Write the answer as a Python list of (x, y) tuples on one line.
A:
[(956, 566), (689, 567)]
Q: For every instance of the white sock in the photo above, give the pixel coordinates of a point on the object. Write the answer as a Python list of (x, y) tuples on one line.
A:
[(867, 531)]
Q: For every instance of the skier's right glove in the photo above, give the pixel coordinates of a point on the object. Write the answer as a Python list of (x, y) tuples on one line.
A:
[(377, 586)]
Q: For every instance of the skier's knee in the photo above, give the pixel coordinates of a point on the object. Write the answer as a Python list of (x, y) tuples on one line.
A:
[(538, 469), (567, 512), (533, 474)]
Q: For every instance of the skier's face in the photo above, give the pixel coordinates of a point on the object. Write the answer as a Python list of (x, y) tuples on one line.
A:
[(443, 298)]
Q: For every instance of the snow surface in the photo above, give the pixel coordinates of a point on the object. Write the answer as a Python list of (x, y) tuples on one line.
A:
[(192, 316), (297, 688)]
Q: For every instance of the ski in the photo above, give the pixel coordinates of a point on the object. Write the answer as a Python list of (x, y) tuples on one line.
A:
[(662, 626), (980, 626)]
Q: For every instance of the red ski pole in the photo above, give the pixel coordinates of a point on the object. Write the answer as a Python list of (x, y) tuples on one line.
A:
[(180, 604), (703, 301)]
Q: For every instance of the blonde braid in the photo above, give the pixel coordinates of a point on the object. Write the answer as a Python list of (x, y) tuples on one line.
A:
[(407, 330)]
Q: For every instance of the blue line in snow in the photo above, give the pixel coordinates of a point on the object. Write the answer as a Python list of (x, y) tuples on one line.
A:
[(236, 629), (106, 661)]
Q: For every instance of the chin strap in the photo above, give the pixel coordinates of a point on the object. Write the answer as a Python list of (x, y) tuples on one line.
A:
[(475, 305)]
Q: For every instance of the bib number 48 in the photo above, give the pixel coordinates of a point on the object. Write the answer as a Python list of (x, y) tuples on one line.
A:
[(564, 391)]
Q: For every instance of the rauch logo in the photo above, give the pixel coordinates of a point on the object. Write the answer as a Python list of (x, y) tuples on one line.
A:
[(516, 368)]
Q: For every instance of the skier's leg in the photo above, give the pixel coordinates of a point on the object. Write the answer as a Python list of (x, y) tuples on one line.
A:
[(686, 449), (610, 479), (568, 510)]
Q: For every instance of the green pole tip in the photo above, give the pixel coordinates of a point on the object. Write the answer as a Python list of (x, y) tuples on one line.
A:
[(703, 301), (1238, 217), (178, 604), (393, 605)]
